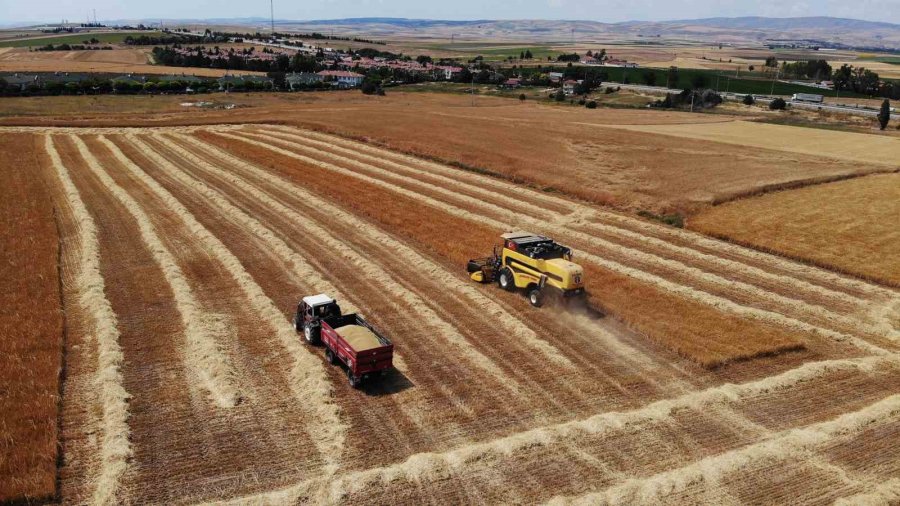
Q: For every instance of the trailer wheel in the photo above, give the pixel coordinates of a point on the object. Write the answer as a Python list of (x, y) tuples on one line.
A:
[(535, 297), (506, 280), (355, 381), (329, 356)]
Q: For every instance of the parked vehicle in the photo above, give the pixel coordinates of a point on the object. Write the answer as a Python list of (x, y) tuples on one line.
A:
[(348, 338), (808, 97)]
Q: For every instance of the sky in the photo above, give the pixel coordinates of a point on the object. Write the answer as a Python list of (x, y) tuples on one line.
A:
[(14, 11)]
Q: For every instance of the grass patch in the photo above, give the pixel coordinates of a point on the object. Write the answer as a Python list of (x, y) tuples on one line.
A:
[(674, 219)]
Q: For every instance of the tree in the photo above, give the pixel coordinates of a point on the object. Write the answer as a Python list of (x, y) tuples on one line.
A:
[(591, 105), (672, 77), (521, 55), (771, 61), (885, 114), (528, 54), (369, 88), (522, 97), (778, 104), (423, 59), (748, 100)]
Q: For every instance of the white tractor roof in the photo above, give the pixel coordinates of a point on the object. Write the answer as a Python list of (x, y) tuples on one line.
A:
[(317, 300)]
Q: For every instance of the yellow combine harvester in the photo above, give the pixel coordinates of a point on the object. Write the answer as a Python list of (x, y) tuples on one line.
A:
[(533, 262)]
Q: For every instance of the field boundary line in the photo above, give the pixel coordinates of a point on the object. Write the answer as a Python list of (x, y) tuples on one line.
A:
[(662, 283), (205, 355), (115, 450), (432, 268), (797, 443), (309, 380), (421, 466)]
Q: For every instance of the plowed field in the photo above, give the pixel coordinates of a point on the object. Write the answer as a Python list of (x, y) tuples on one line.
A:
[(701, 372)]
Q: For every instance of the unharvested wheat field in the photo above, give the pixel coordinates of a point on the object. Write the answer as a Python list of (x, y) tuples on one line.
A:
[(849, 225), (702, 371)]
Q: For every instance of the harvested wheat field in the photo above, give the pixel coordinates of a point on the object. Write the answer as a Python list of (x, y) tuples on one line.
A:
[(699, 372), (118, 60), (601, 156)]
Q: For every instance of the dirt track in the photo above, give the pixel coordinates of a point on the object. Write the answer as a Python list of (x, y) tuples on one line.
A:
[(204, 241)]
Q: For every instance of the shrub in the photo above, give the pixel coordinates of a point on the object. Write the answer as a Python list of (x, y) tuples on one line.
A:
[(582, 101), (591, 105), (748, 100), (522, 97), (778, 104)]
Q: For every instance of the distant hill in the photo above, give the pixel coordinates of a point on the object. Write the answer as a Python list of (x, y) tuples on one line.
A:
[(837, 31), (821, 30), (764, 23)]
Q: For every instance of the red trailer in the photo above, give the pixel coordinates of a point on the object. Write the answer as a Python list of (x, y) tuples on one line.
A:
[(348, 338)]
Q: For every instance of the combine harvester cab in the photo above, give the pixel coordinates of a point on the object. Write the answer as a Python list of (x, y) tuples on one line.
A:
[(348, 338), (537, 264)]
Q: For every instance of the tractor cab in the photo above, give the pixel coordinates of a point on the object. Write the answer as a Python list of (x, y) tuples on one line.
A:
[(311, 311)]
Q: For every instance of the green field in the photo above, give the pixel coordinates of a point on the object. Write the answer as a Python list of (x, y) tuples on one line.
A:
[(716, 80), (75, 38), (491, 52), (894, 60)]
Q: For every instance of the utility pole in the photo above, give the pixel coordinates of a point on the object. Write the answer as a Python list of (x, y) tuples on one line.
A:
[(473, 89), (693, 94), (95, 16), (773, 82), (272, 16)]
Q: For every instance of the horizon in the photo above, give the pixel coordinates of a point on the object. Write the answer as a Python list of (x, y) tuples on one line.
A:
[(617, 11)]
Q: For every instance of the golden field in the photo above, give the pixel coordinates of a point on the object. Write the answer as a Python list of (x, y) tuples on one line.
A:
[(850, 226)]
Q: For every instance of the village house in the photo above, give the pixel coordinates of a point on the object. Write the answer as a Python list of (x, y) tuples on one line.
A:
[(342, 78), (301, 79), (569, 86), (556, 77), (446, 72), (589, 60), (513, 82)]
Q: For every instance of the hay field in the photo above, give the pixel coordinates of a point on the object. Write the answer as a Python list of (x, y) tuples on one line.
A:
[(698, 375), (850, 226)]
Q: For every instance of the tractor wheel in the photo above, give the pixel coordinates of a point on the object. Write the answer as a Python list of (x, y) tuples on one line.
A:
[(506, 280), (535, 297), (329, 356), (311, 334)]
